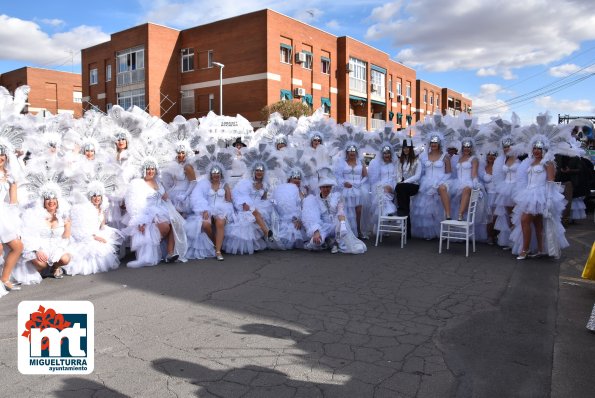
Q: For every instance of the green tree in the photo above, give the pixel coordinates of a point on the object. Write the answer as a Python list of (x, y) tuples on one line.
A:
[(287, 109)]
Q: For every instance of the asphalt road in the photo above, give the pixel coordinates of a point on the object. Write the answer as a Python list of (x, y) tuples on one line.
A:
[(389, 323)]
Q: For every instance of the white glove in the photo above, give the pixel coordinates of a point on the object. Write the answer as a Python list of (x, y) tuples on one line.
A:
[(342, 229)]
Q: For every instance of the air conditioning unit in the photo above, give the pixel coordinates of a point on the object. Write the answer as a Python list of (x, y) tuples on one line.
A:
[(391, 95), (300, 57), (408, 100), (399, 98), (299, 92), (375, 87)]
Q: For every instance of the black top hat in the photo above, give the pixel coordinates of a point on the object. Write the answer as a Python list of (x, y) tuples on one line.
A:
[(239, 141), (408, 142)]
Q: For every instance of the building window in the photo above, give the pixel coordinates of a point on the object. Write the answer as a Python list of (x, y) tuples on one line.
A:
[(431, 99), (187, 101), (326, 105), (131, 66), (93, 79), (378, 80), (210, 59), (425, 96), (187, 59), (437, 99), (308, 100), (211, 102), (286, 53), (108, 72), (357, 76), (127, 99), (307, 64), (109, 106), (77, 97), (326, 65), (399, 92), (409, 91)]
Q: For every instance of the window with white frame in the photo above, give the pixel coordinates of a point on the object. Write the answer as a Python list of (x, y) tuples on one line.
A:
[(378, 79), (131, 66), (109, 106), (390, 84), (437, 99), (187, 59), (425, 96), (431, 99), (127, 99), (210, 59), (325, 65), (211, 102), (108, 72), (77, 97), (307, 64), (285, 53), (399, 91), (408, 91), (93, 79), (187, 101), (357, 75)]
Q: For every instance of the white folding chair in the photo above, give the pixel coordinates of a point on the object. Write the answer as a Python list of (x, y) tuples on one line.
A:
[(459, 230), (389, 224)]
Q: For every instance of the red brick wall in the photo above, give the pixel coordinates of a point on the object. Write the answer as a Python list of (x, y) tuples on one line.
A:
[(424, 109), (50, 89)]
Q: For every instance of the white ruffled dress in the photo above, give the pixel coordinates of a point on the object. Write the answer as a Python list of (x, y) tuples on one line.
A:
[(10, 222), (322, 215), (381, 175), (146, 207), (287, 210), (243, 235), (357, 195), (505, 178), (537, 196), (427, 211), (202, 199), (89, 256)]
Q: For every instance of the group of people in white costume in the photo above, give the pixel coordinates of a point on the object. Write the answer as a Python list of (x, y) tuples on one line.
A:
[(93, 188)]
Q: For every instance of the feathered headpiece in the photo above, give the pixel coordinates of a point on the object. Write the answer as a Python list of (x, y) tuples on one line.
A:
[(47, 185), (468, 133), (299, 166), (326, 177), (350, 138), (552, 139), (11, 139), (145, 155), (131, 122), (500, 133), (260, 158), (434, 129), (11, 107), (387, 141), (183, 135), (212, 159)]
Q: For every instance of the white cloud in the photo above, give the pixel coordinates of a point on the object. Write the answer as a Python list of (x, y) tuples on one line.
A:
[(52, 22), (494, 37), (178, 13), (554, 105), (568, 69), (26, 42), (333, 24)]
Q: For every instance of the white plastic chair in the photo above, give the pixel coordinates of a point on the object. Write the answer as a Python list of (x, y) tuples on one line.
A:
[(459, 230), (389, 224)]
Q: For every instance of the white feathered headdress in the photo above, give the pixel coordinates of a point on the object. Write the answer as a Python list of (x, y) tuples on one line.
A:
[(552, 139), (260, 158), (214, 158), (434, 129)]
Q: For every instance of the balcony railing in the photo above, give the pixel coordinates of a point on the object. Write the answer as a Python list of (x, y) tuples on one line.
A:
[(359, 121), (130, 77), (378, 124)]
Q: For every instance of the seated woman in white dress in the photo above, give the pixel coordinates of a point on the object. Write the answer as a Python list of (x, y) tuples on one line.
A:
[(46, 237), (94, 245), (251, 226), (538, 230), (432, 204), (211, 209), (287, 201), (324, 219), (179, 178), (467, 179), (9, 221), (382, 174), (486, 175), (153, 218)]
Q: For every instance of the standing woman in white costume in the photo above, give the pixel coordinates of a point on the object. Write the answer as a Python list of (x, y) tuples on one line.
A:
[(180, 177), (382, 174), (9, 219)]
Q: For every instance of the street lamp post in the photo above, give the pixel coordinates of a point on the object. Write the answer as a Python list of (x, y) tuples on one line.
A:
[(221, 66)]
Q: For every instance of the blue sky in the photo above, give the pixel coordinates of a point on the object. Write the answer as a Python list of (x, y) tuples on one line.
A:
[(528, 57)]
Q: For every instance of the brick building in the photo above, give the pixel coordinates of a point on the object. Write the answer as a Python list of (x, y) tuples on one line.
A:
[(454, 103), (266, 57), (51, 90), (428, 99)]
